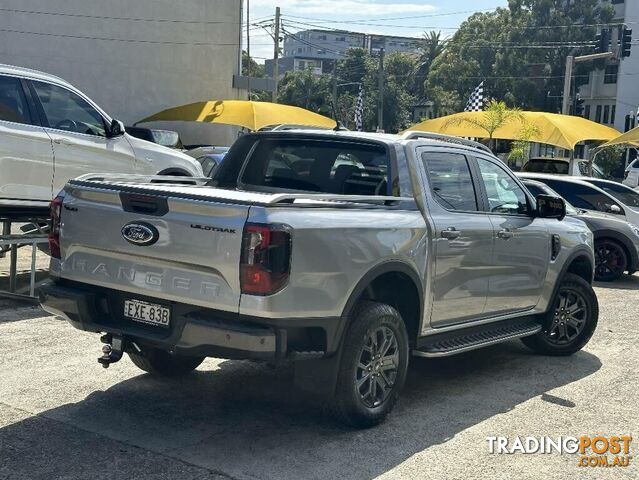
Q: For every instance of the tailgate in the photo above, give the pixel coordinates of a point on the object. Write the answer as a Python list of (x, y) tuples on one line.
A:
[(161, 243)]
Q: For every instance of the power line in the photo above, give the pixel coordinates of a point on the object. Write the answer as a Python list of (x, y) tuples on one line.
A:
[(102, 17), (443, 14), (125, 40), (523, 27)]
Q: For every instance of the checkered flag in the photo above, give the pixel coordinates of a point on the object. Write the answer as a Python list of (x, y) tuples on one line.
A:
[(359, 110), (476, 101)]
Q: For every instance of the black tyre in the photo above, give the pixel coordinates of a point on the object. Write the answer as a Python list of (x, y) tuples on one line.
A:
[(164, 364), (570, 322), (373, 367), (611, 260)]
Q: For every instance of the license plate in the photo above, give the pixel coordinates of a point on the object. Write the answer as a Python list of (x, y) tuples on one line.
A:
[(145, 312)]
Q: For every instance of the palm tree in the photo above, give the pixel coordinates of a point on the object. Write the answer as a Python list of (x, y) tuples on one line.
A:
[(432, 46), (496, 115)]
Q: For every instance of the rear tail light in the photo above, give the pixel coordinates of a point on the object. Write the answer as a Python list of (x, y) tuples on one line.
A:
[(265, 260), (55, 214)]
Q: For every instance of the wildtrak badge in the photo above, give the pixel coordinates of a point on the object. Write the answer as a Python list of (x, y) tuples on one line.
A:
[(209, 228)]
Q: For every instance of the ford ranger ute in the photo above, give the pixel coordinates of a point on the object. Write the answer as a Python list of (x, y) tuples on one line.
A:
[(344, 253)]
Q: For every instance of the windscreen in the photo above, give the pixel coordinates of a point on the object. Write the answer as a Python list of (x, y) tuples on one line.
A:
[(321, 166)]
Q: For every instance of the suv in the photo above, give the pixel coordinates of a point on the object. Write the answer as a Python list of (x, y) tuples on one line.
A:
[(342, 252), (51, 132)]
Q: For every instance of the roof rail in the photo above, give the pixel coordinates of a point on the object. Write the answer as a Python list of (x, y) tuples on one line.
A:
[(412, 134)]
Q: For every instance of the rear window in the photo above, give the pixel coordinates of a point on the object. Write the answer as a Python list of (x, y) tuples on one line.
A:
[(546, 166), (285, 165)]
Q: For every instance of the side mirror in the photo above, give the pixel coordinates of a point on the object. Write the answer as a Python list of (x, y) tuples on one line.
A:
[(116, 129), (614, 209), (551, 207)]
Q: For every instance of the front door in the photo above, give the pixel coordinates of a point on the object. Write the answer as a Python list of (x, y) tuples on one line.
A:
[(463, 240), (26, 155), (78, 132), (522, 243)]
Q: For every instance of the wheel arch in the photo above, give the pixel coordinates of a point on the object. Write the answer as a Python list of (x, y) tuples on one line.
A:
[(176, 172), (395, 283)]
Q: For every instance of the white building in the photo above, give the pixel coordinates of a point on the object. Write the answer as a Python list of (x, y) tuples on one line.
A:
[(612, 94), (133, 57)]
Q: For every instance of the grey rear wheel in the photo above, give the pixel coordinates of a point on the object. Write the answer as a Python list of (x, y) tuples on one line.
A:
[(373, 367)]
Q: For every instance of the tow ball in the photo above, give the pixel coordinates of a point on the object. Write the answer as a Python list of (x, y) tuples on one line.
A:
[(112, 349)]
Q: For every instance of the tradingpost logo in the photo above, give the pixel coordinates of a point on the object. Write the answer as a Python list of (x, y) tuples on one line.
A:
[(597, 451)]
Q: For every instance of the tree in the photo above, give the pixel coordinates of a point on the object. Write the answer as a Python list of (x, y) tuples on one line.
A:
[(496, 115), (431, 47), (520, 149), (519, 51), (306, 90)]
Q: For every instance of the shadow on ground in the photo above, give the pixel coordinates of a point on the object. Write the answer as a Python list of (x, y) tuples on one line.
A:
[(626, 282), (245, 420)]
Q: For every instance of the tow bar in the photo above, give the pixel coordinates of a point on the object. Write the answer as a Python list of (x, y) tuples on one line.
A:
[(112, 349)]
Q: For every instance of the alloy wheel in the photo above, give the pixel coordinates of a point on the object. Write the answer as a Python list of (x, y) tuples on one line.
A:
[(377, 366), (610, 260), (569, 317)]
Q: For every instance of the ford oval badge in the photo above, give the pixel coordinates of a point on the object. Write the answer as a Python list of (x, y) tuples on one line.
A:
[(141, 234)]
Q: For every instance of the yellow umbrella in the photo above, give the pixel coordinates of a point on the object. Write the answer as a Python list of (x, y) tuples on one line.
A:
[(244, 113), (631, 137), (563, 131)]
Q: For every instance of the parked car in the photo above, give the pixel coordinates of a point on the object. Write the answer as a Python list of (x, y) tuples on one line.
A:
[(631, 175), (616, 241), (581, 193), (417, 245), (166, 138), (210, 157), (51, 132), (560, 166)]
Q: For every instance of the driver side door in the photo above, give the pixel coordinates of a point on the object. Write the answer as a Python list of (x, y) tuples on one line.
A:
[(78, 135)]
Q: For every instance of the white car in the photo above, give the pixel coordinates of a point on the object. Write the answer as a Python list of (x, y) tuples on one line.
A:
[(50, 132), (631, 176), (561, 166)]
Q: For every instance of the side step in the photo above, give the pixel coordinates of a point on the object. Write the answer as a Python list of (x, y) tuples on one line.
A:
[(471, 338)]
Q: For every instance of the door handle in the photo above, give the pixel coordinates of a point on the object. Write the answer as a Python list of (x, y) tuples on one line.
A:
[(506, 233), (62, 141), (451, 233)]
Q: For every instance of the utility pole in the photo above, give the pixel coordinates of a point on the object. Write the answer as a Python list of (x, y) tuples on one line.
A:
[(570, 63), (276, 55), (248, 48), (380, 110)]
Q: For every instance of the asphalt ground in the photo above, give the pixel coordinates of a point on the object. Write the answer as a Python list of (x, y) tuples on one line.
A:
[(63, 416)]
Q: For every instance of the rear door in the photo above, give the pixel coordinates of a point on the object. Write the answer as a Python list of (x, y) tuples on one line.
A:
[(78, 133), (522, 242), (463, 239), (26, 155)]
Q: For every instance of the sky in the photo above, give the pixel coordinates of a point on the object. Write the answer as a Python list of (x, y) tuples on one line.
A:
[(392, 17)]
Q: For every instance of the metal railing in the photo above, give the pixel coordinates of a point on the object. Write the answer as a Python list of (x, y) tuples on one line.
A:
[(10, 243)]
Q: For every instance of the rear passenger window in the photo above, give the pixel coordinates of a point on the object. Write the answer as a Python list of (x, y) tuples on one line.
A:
[(318, 166), (450, 181), (13, 104)]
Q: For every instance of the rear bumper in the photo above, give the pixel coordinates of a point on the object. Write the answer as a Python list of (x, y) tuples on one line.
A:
[(193, 330)]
